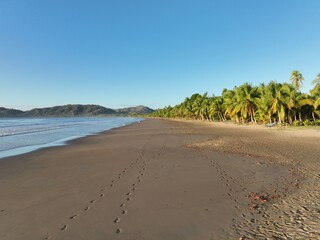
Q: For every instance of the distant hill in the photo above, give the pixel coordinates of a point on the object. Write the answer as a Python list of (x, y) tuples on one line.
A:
[(69, 111), (135, 110), (5, 112), (74, 110)]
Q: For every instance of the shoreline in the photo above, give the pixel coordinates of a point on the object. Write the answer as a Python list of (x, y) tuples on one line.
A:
[(57, 143), (78, 190)]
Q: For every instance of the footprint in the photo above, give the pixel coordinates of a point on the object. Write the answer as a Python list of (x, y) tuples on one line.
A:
[(74, 216), (86, 208), (64, 227), (111, 185), (116, 220), (122, 205), (124, 212), (101, 195), (133, 189), (128, 199), (92, 201), (119, 230), (129, 193)]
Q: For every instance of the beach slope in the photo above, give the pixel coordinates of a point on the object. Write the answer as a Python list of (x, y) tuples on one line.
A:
[(162, 179)]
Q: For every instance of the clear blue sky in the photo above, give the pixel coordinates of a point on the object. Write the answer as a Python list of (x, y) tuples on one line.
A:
[(152, 52)]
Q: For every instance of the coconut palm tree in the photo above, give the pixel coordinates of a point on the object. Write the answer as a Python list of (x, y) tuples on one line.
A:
[(264, 103), (229, 104), (199, 105), (246, 98), (316, 81), (215, 108), (278, 105), (290, 99), (315, 95), (303, 100), (280, 102), (297, 79)]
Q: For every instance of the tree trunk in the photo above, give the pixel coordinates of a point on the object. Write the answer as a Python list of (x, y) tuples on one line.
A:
[(300, 117), (289, 117), (254, 117), (270, 120), (295, 117), (224, 117), (314, 119), (279, 117)]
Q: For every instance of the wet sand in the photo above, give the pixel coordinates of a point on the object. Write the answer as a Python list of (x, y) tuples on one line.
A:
[(164, 179)]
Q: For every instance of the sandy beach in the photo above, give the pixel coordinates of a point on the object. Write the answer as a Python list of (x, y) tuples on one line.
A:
[(167, 179)]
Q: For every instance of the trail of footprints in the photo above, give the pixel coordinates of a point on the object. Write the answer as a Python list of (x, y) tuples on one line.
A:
[(134, 186), (65, 226), (127, 196), (229, 182), (233, 186)]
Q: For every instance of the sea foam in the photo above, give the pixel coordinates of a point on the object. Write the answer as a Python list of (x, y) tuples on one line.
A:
[(21, 135)]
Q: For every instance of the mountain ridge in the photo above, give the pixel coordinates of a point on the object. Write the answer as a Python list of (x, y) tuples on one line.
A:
[(75, 110)]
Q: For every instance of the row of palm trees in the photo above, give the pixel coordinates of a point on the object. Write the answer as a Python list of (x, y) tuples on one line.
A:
[(275, 102)]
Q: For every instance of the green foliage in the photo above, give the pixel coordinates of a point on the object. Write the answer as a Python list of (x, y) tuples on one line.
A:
[(275, 102), (307, 122), (297, 123)]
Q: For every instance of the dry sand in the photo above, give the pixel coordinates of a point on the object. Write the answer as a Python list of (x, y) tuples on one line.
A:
[(163, 179)]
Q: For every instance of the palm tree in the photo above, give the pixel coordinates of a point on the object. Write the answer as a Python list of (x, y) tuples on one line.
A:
[(302, 101), (315, 95), (283, 102), (278, 104), (188, 113), (229, 104), (216, 108), (290, 99), (316, 81), (199, 105), (246, 97), (203, 104), (296, 78), (264, 103)]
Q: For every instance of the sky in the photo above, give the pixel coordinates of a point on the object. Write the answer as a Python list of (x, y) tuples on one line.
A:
[(125, 53)]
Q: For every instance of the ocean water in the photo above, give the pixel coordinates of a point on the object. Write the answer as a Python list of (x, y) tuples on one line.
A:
[(22, 135)]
